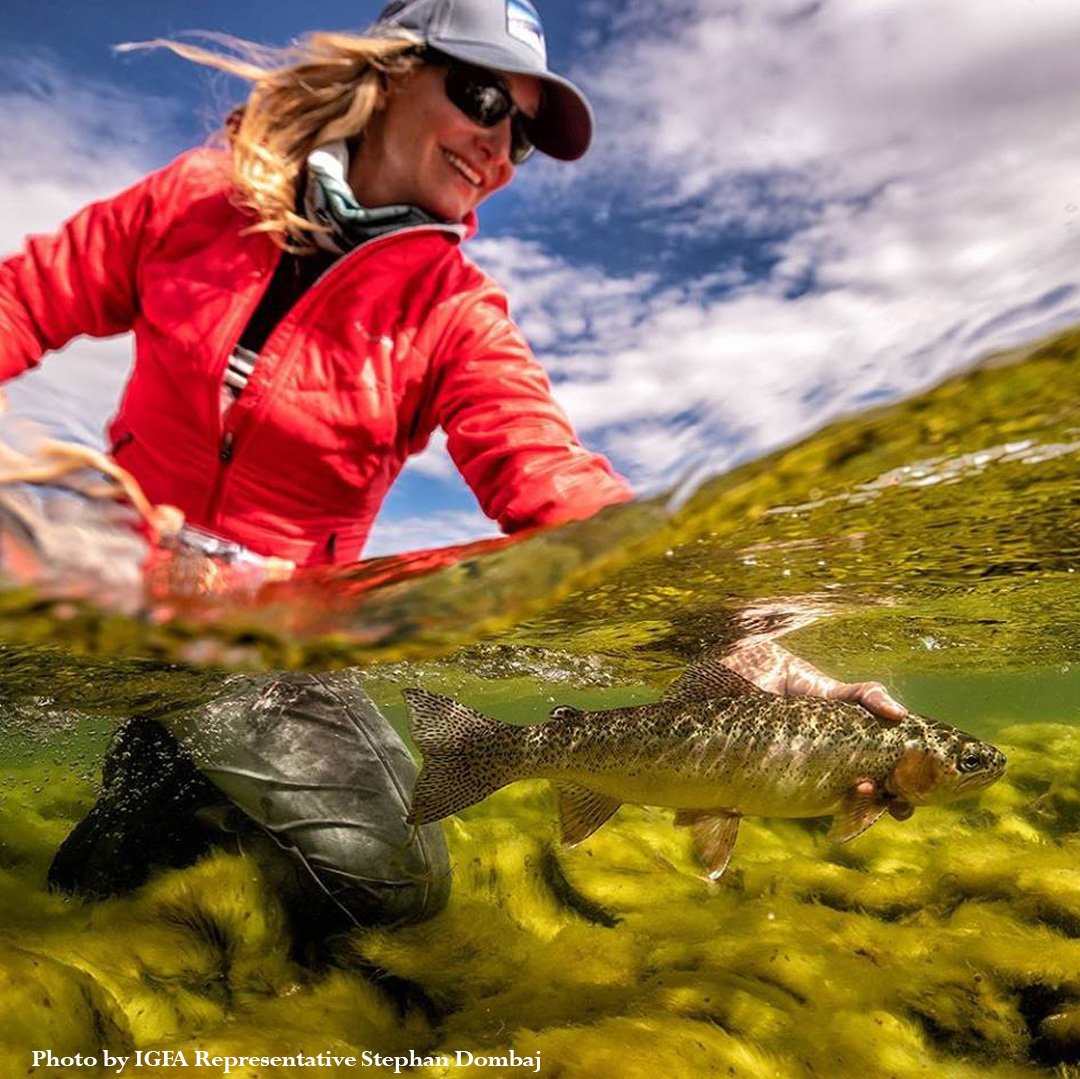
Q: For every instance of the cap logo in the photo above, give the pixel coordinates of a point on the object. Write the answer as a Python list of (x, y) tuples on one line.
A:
[(523, 23)]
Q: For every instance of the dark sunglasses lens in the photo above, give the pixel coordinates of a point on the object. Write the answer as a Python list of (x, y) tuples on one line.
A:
[(521, 145), (482, 100)]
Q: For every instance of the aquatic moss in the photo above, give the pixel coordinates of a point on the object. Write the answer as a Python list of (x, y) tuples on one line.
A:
[(948, 944)]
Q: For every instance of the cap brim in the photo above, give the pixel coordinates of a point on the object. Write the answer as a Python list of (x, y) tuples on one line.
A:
[(564, 125)]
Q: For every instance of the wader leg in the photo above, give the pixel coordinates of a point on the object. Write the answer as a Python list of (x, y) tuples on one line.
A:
[(310, 761), (144, 818), (310, 758)]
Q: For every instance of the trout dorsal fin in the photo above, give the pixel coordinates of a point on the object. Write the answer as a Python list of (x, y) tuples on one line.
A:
[(709, 679), (714, 832), (581, 811)]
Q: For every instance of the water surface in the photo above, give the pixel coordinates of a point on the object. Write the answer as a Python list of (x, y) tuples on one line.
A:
[(934, 545)]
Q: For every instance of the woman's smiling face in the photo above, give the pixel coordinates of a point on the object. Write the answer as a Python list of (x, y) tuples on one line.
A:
[(420, 149)]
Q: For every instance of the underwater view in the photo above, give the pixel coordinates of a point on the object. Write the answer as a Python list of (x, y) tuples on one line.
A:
[(932, 545)]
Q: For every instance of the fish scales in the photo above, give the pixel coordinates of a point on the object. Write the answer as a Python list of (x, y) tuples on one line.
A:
[(715, 748), (797, 758)]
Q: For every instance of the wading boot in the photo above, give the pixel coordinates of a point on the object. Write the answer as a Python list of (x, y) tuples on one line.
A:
[(145, 817)]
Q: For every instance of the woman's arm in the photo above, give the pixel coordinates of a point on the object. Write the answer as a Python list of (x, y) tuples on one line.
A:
[(510, 440), (80, 279)]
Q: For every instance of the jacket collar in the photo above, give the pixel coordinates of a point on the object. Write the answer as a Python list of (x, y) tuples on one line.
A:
[(329, 201)]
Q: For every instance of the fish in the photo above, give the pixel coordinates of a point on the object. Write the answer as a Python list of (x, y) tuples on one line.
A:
[(715, 748)]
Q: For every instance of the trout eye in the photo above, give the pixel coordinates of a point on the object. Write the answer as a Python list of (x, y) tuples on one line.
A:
[(970, 761), (565, 711)]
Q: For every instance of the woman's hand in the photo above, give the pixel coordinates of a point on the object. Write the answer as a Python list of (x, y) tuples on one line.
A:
[(772, 668)]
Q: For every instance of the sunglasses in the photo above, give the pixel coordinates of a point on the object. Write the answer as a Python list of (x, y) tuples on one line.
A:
[(485, 99)]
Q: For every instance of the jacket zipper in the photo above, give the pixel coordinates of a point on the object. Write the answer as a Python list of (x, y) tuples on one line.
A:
[(120, 443), (225, 442), (227, 447)]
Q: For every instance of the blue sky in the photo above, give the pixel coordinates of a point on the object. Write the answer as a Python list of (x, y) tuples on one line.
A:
[(791, 210)]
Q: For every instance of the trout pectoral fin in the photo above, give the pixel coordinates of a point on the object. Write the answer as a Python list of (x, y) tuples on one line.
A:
[(714, 835), (859, 810), (581, 811)]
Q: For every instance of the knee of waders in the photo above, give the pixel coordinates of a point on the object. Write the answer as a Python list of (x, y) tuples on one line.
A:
[(411, 888)]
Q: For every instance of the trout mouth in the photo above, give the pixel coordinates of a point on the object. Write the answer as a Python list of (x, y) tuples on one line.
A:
[(973, 784)]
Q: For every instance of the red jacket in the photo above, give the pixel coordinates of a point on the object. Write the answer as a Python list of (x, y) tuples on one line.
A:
[(401, 335)]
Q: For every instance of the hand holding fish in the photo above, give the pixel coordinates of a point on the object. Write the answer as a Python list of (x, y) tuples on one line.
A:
[(774, 669)]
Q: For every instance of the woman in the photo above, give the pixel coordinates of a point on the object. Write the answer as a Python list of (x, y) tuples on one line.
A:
[(303, 319), (303, 326)]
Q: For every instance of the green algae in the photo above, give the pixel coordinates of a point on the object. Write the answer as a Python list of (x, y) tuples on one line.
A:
[(944, 945)]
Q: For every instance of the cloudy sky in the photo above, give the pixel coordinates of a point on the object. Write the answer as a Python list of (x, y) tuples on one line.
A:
[(791, 211)]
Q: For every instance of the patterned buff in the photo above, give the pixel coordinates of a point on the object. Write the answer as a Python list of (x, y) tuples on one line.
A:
[(330, 201)]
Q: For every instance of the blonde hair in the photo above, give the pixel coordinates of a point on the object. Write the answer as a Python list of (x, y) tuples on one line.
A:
[(324, 87)]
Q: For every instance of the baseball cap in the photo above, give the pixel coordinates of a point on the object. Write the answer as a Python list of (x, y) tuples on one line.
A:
[(504, 35)]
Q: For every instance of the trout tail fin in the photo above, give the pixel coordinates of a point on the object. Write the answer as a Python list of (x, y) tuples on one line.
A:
[(466, 755)]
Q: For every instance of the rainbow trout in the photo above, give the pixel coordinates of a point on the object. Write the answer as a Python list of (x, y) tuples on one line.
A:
[(715, 748)]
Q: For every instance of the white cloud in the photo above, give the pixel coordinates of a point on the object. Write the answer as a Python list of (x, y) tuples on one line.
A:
[(422, 531), (557, 303), (68, 141), (923, 156), (435, 461), (850, 90)]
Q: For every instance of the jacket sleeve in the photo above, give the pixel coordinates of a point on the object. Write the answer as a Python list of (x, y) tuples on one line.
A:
[(78, 280), (510, 440)]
